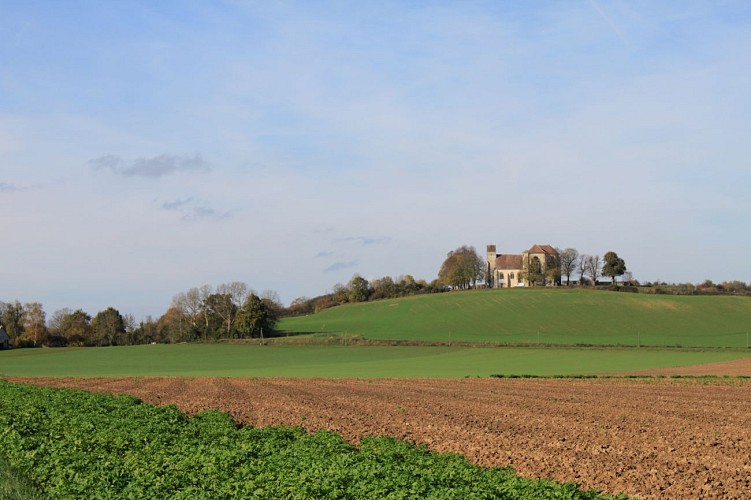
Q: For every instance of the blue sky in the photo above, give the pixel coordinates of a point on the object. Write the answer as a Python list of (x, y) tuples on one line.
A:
[(150, 147)]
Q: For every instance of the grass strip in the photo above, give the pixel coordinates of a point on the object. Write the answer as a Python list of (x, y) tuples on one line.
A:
[(14, 485), (77, 444)]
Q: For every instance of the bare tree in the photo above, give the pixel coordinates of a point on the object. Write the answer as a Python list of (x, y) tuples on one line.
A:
[(204, 293), (569, 262), (592, 266), (236, 290), (581, 265)]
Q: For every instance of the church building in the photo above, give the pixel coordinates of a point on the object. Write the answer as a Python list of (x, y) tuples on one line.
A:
[(540, 265)]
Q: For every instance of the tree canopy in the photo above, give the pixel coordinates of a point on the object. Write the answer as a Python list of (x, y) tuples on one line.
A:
[(613, 266), (462, 269)]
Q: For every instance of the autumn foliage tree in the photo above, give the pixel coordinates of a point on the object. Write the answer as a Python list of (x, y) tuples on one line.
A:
[(462, 269)]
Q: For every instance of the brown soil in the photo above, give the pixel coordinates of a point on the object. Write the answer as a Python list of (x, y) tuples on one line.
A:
[(732, 368), (654, 438)]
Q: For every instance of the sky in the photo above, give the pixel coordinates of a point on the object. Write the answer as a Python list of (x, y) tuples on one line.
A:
[(150, 147)]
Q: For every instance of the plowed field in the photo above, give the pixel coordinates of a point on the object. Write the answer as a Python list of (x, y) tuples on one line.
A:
[(667, 438)]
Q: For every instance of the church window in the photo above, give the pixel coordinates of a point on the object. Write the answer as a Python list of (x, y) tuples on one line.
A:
[(500, 276)]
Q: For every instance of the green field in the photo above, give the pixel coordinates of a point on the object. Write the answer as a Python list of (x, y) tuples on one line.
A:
[(339, 361), (547, 316)]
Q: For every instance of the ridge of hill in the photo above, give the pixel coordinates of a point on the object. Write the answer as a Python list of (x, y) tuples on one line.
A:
[(541, 316)]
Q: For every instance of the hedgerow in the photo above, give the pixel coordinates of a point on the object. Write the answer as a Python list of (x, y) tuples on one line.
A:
[(76, 444)]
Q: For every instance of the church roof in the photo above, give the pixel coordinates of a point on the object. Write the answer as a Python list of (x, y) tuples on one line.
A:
[(546, 249), (508, 261)]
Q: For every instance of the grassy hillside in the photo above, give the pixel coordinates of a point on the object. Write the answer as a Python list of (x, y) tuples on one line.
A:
[(340, 361), (542, 315)]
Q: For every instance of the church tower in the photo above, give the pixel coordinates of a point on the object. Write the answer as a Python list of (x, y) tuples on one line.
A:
[(490, 266)]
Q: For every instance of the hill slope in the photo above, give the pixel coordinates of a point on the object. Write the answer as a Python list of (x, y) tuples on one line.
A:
[(560, 316)]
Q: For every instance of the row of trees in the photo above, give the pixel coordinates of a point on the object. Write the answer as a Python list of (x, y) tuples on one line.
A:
[(359, 289), (26, 326), (230, 311), (591, 267)]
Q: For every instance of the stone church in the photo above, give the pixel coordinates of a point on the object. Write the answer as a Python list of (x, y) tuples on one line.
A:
[(510, 270)]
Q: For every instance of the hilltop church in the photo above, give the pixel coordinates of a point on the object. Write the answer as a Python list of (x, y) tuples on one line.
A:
[(510, 270)]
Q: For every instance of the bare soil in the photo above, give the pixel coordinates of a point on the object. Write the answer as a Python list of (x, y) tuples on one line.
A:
[(653, 438), (733, 368)]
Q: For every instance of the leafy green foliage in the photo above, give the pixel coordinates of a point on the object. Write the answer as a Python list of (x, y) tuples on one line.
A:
[(614, 266), (76, 444)]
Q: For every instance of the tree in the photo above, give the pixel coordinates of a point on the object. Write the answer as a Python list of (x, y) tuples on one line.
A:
[(581, 264), (220, 310), (384, 288), (462, 269), (74, 326), (553, 275), (108, 327), (569, 262), (225, 307), (532, 272), (272, 299), (11, 316), (255, 318), (592, 267), (359, 289), (170, 328), (33, 322), (614, 266)]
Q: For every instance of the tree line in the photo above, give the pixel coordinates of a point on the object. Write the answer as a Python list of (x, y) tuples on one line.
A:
[(359, 289), (231, 311)]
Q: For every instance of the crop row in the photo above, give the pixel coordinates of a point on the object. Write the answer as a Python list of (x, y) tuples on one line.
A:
[(76, 444)]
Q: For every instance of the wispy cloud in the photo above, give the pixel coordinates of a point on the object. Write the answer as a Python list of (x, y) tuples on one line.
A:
[(365, 240), (9, 187), (192, 210), (321, 255), (338, 266), (153, 168), (177, 204)]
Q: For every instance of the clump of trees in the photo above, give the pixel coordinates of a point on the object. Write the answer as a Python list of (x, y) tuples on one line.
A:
[(232, 311), (359, 289), (462, 269)]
